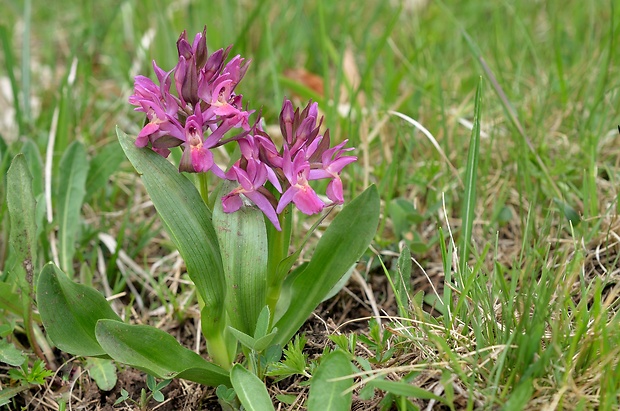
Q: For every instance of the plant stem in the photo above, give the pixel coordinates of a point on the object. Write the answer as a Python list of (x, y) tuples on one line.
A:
[(216, 346), (203, 187), (278, 249)]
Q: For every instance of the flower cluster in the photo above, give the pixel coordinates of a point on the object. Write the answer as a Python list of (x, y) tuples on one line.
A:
[(205, 108)]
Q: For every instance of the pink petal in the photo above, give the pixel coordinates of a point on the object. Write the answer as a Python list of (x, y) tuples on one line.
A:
[(202, 159), (334, 191), (265, 206), (307, 201), (337, 165), (231, 202), (286, 198), (318, 174)]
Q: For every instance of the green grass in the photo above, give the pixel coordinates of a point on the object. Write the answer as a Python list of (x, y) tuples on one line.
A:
[(518, 222)]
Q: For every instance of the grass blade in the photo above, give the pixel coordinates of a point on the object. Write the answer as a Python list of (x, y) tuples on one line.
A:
[(469, 200), (9, 61), (102, 166)]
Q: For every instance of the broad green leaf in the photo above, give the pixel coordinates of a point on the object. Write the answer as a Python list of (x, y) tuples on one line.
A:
[(405, 389), (102, 166), (286, 292), (103, 371), (10, 355), (188, 221), (469, 197), (339, 285), (250, 390), (10, 300), (6, 329), (70, 312), (21, 206), (156, 352), (243, 245), (328, 385), (71, 190), (35, 165), (342, 244)]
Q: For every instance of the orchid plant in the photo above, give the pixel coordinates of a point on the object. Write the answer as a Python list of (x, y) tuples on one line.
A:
[(235, 239)]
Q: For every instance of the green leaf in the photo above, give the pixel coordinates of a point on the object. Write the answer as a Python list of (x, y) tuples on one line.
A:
[(287, 399), (327, 386), (188, 221), (71, 190), (158, 396), (70, 312), (157, 353), (11, 300), (150, 382), (124, 395), (35, 165), (256, 344), (250, 390), (11, 355), (225, 393), (262, 323), (295, 361), (569, 212), (469, 198), (340, 284), (11, 64), (102, 166), (242, 337), (342, 244), (263, 342), (243, 245), (103, 371), (405, 389), (21, 206), (162, 384), (9, 392), (401, 281)]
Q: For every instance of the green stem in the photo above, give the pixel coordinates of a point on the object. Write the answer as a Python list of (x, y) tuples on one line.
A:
[(203, 187), (28, 328), (218, 350), (273, 295), (279, 242)]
